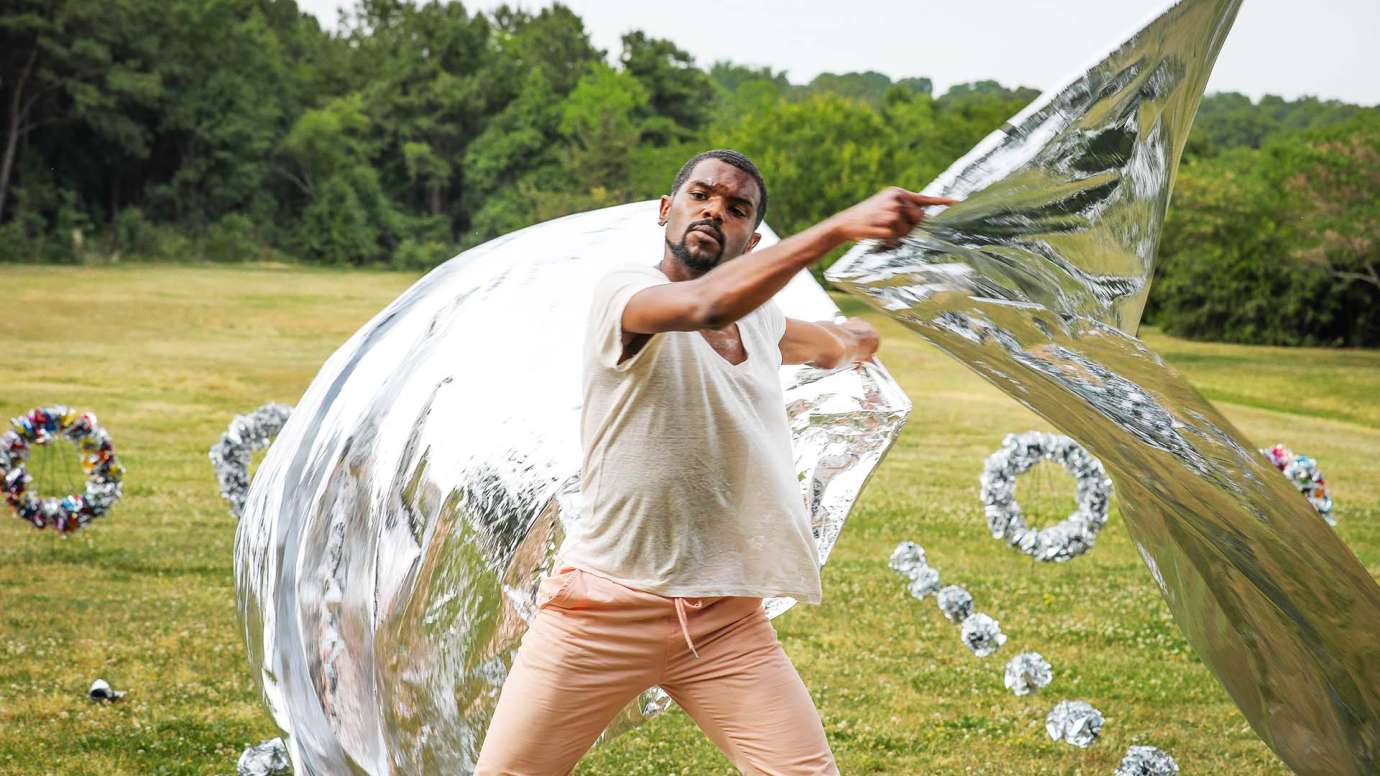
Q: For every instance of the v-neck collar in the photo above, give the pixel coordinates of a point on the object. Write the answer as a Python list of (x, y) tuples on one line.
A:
[(741, 365), (738, 367)]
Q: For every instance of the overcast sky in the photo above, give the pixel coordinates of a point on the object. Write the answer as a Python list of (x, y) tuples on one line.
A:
[(1325, 48)]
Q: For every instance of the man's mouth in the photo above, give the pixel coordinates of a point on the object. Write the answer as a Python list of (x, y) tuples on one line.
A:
[(708, 231)]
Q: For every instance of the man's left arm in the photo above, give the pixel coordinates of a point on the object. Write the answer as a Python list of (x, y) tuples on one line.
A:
[(828, 345)]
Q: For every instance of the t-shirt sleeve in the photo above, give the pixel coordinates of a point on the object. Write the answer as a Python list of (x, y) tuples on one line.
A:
[(776, 321), (604, 337)]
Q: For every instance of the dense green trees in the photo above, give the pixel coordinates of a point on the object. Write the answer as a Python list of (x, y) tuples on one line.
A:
[(1278, 244), (239, 129)]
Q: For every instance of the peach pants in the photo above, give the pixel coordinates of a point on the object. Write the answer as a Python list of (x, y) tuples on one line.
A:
[(595, 645)]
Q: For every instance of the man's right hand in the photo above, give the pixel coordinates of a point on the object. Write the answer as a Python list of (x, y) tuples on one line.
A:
[(739, 286), (886, 215)]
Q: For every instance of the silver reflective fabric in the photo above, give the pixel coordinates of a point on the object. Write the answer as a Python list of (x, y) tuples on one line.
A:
[(394, 536), (1037, 281)]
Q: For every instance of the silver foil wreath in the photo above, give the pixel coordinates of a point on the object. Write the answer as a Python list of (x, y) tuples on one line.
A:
[(1062, 541), (230, 456)]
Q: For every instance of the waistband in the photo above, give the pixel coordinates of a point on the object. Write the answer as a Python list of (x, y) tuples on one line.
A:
[(682, 604)]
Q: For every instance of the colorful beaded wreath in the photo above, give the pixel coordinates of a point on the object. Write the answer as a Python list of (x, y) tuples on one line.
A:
[(103, 472), (1303, 471)]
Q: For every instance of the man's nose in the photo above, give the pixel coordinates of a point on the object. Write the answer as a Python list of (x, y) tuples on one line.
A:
[(713, 209)]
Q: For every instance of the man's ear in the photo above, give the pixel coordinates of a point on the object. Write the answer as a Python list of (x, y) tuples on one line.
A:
[(665, 210), (752, 241)]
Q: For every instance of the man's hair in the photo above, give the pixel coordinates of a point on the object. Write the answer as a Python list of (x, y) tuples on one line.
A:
[(728, 156)]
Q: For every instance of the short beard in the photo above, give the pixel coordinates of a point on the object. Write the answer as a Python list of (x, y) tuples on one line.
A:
[(697, 265)]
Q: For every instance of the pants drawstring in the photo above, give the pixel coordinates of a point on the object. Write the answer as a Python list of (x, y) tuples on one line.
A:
[(681, 603)]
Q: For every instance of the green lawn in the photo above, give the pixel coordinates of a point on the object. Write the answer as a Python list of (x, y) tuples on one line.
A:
[(165, 355)]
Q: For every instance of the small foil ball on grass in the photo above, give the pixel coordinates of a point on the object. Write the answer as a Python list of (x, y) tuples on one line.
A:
[(955, 602), (1147, 761), (269, 758), (926, 582), (1028, 672), (1074, 722), (102, 691), (908, 559), (982, 634)]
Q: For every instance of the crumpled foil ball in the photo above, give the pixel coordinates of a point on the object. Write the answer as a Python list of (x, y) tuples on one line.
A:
[(269, 758), (231, 455), (395, 534), (1028, 672), (1146, 761), (102, 691), (955, 602), (982, 634), (1075, 722), (926, 582), (907, 559)]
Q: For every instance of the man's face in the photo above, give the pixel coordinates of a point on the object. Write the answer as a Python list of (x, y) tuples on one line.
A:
[(712, 217)]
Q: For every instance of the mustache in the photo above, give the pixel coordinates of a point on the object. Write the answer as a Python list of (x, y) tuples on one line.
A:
[(713, 228)]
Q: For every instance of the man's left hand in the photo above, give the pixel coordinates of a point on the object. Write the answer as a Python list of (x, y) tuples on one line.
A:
[(863, 339)]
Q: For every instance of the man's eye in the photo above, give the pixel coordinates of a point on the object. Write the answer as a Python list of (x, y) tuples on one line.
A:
[(697, 195), (737, 211)]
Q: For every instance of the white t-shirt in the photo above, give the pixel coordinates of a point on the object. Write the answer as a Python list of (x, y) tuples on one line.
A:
[(688, 479)]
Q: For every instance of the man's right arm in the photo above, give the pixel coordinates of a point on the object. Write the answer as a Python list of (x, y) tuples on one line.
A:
[(737, 287)]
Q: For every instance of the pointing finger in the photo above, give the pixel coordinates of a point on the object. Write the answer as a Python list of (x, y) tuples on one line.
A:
[(924, 200), (914, 213)]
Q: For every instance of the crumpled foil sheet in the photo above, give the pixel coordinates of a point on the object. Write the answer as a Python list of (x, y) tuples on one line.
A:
[(926, 582), (1146, 761), (1075, 722), (908, 559), (1037, 281), (394, 535), (955, 602), (1027, 672), (101, 690), (982, 634), (269, 758)]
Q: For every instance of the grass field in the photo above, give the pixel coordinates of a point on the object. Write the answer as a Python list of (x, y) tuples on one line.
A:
[(166, 355)]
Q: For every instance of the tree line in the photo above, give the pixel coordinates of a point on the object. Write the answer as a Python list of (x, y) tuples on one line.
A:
[(232, 130)]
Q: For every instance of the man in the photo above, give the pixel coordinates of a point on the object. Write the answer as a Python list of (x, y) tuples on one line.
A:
[(692, 509)]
